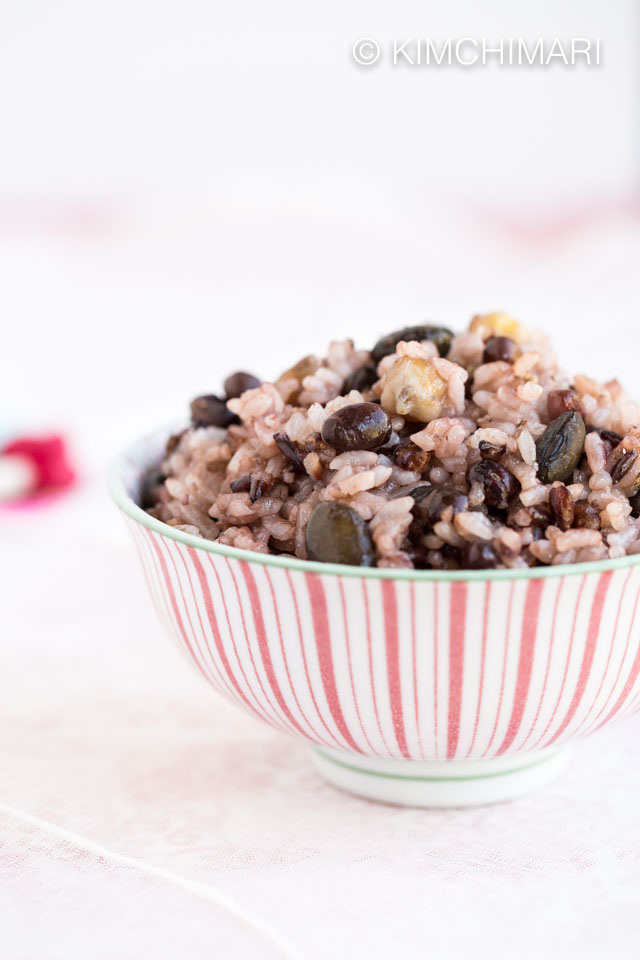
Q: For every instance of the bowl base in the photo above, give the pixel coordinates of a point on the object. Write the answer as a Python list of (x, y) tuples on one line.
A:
[(451, 783)]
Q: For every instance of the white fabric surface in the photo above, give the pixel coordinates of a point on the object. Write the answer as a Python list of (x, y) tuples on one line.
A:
[(142, 816)]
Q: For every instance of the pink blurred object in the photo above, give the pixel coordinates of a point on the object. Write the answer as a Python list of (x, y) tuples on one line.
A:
[(30, 466)]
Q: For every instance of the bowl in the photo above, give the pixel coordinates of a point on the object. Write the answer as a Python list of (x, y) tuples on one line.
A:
[(427, 688)]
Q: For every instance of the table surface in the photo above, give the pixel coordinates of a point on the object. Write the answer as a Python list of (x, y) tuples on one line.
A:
[(140, 813)]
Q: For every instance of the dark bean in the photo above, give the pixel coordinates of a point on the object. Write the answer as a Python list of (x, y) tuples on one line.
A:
[(238, 382), (441, 336), (540, 514), (498, 483), (635, 505), (412, 457), (419, 555), (562, 507), (560, 447), (563, 401), (173, 441), (241, 484), (430, 506), (585, 515), (419, 493), (446, 558), (610, 436), (623, 464), (481, 556), (500, 348), (337, 534), (288, 450), (491, 451), (359, 426), (211, 411), (258, 487), (361, 379)]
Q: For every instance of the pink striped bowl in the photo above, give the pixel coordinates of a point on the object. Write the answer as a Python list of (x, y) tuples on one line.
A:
[(422, 687)]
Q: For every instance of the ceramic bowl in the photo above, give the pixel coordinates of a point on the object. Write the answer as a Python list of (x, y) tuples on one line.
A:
[(427, 688)]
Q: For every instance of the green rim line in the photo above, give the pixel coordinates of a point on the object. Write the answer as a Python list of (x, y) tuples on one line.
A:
[(415, 777), (135, 512)]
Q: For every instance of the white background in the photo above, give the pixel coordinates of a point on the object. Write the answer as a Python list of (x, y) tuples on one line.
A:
[(190, 188)]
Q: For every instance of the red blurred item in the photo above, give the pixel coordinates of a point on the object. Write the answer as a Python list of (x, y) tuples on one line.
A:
[(33, 465)]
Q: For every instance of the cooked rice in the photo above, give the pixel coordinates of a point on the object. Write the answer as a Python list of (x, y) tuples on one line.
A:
[(247, 487)]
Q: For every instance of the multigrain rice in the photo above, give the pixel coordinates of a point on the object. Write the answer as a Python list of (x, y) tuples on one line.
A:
[(251, 469)]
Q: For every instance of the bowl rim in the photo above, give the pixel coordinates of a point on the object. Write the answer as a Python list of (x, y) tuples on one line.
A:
[(132, 510)]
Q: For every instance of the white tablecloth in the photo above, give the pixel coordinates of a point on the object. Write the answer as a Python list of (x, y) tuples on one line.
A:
[(142, 816)]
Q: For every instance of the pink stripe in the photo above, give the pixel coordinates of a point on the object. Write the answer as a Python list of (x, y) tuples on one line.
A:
[(367, 620), (550, 646), (304, 660), (605, 673), (267, 700), (259, 706), (319, 738), (589, 651), (414, 664), (390, 613), (174, 603), (213, 623), (483, 656), (208, 658), (320, 617), (566, 666), (263, 646), (504, 668), (146, 559), (618, 673), (171, 549), (633, 674), (457, 615), (525, 663), (435, 670), (350, 664)]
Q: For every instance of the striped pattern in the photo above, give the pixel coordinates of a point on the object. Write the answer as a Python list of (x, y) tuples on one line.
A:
[(392, 668)]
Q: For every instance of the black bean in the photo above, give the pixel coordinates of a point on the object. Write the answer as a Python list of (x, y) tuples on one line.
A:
[(287, 449), (562, 401), (491, 451), (623, 464), (359, 426), (238, 382), (500, 348), (562, 507), (441, 336), (610, 436), (540, 514), (560, 447), (481, 556), (241, 484), (586, 516), (412, 457), (337, 534), (361, 379), (419, 493), (498, 483), (258, 486), (446, 558), (635, 505), (211, 411), (430, 506)]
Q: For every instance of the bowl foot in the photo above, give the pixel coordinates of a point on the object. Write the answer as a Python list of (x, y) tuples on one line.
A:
[(452, 783)]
